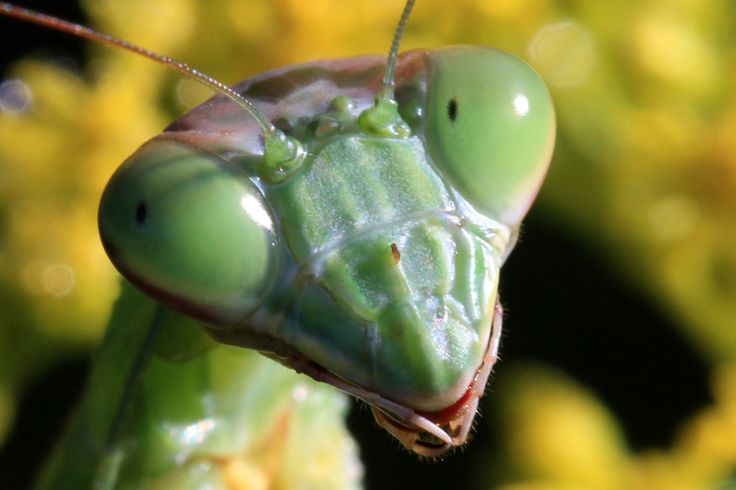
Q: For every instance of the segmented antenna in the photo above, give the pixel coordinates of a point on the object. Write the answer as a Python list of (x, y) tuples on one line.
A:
[(108, 40), (388, 76)]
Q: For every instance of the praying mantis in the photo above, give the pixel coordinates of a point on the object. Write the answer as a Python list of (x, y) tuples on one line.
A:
[(346, 218)]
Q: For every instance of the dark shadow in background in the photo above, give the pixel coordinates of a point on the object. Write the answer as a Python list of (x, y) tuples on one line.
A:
[(21, 39)]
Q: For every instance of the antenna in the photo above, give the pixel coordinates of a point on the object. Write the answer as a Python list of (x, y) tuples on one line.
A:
[(281, 146), (108, 40), (383, 117), (388, 76)]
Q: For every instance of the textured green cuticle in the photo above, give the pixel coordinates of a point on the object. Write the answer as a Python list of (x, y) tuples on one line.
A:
[(408, 330)]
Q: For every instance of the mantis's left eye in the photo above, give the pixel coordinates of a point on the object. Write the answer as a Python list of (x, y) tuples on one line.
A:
[(490, 127), (190, 229)]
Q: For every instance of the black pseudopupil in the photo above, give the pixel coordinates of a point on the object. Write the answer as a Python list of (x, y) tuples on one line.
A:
[(452, 109), (141, 211)]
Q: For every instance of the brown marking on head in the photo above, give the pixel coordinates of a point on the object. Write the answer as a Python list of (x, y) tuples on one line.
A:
[(395, 252)]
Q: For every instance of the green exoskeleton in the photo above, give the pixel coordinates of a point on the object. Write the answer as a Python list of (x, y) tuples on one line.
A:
[(347, 218)]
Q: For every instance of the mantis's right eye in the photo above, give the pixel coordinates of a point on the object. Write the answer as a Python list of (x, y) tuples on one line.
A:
[(190, 229)]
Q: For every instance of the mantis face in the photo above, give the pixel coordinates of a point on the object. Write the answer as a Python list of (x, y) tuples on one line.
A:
[(374, 264)]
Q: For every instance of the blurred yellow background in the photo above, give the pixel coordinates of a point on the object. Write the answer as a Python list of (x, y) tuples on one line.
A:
[(644, 176)]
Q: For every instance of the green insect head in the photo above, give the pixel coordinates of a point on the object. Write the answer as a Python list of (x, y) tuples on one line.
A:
[(360, 243), (372, 264)]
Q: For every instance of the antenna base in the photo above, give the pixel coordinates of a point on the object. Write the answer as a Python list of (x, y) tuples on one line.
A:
[(283, 157), (383, 118)]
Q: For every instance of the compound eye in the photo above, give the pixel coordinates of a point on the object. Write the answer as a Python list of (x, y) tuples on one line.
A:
[(189, 229), (490, 127)]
